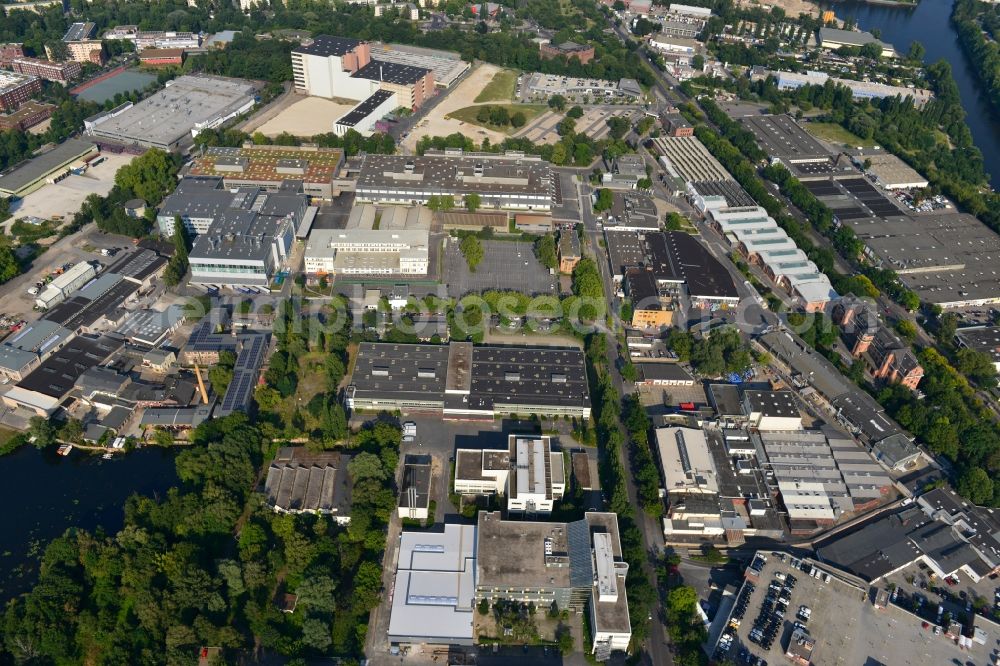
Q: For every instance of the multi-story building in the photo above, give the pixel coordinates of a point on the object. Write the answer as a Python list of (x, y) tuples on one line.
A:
[(159, 39), (367, 252), (246, 243), (8, 52), (85, 50), (501, 181), (888, 357), (126, 33), (27, 115), (62, 72), (677, 125), (582, 52), (528, 473), (576, 566), (339, 67), (16, 89), (80, 31)]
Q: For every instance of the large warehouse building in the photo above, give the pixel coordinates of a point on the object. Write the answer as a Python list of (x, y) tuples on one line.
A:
[(171, 118), (462, 381), (501, 181), (31, 174), (269, 167)]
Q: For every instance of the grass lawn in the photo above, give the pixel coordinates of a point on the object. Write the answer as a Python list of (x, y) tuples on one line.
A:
[(500, 89), (834, 133), (530, 111)]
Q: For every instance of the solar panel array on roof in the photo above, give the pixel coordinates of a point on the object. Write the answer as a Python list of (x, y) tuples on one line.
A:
[(245, 373), (821, 188)]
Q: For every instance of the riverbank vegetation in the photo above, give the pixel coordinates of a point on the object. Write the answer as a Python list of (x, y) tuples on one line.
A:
[(174, 578)]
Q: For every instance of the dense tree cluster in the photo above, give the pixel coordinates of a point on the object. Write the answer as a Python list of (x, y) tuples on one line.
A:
[(352, 142), (175, 578)]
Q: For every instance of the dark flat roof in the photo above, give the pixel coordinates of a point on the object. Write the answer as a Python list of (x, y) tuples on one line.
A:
[(641, 288), (325, 45), (363, 110), (686, 259), (57, 375), (390, 72)]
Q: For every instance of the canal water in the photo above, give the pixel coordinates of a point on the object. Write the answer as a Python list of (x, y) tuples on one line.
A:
[(930, 24), (43, 494)]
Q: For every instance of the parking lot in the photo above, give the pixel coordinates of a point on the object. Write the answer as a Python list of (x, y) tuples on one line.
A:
[(505, 265), (918, 589), (838, 615), (65, 197)]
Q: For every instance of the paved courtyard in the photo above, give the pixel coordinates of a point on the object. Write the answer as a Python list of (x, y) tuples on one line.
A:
[(505, 265)]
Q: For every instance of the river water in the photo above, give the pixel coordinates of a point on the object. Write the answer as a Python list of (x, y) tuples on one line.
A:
[(930, 24), (43, 494)]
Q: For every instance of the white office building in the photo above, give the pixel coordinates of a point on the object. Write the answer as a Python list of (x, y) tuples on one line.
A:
[(528, 472), (367, 252)]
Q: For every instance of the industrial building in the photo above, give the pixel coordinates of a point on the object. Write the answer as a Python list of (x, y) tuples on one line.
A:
[(78, 31), (983, 339), (367, 252), (948, 259), (303, 481), (941, 531), (528, 473), (784, 139), (28, 176), (415, 489), (771, 410), (652, 307), (25, 350), (501, 181), (41, 392), (340, 67), (63, 285), (364, 116), (832, 39), (16, 89), (685, 157), (859, 89), (447, 66), (757, 236), (545, 85), (433, 590), (574, 565), (246, 244), (271, 167), (675, 45), (889, 171), (63, 72), (171, 118), (459, 380)]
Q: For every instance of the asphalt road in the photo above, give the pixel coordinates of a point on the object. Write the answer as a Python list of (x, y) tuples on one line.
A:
[(655, 650)]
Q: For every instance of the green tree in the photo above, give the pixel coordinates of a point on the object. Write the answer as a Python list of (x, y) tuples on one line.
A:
[(41, 432), (472, 202), (472, 250), (545, 251), (557, 102), (976, 485), (364, 466), (605, 199)]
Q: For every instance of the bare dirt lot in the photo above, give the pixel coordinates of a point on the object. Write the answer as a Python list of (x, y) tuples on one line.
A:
[(792, 7), (65, 197), (305, 117), (436, 124)]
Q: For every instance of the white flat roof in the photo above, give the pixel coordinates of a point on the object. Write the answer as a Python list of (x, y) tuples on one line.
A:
[(434, 591), (686, 461)]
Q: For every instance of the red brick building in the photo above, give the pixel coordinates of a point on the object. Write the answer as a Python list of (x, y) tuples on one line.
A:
[(16, 89), (8, 52), (30, 114), (582, 52), (161, 57), (48, 70)]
